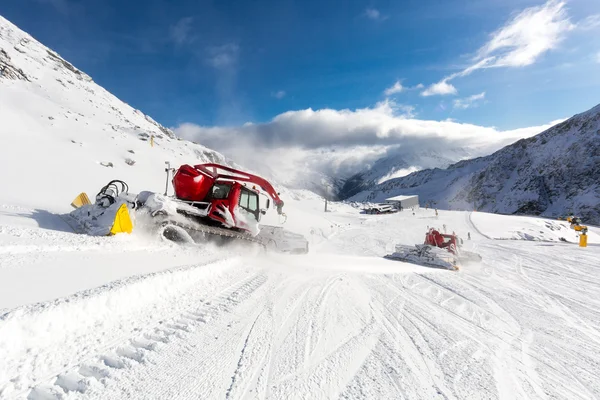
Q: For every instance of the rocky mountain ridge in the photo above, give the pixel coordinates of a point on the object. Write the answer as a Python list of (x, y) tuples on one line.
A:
[(553, 173)]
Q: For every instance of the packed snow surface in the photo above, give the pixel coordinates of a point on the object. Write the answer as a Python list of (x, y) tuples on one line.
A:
[(132, 316)]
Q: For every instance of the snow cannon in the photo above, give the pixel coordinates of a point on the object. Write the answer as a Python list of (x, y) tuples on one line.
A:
[(581, 229)]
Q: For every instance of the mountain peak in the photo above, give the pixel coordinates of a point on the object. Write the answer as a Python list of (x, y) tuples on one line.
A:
[(552, 174)]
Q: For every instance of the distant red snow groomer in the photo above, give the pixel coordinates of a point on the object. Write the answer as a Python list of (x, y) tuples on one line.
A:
[(442, 240), (439, 250)]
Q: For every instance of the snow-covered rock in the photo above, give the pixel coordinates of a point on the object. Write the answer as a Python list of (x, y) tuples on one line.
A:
[(553, 173)]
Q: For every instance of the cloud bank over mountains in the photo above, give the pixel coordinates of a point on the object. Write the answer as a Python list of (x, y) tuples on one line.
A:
[(308, 144), (340, 143)]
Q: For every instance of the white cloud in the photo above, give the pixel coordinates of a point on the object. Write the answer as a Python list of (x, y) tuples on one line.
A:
[(519, 43), (225, 56), (441, 88), (374, 14), (589, 23), (530, 34), (395, 88), (342, 142), (180, 32), (383, 124), (398, 88), (468, 102), (225, 60), (403, 111), (280, 94)]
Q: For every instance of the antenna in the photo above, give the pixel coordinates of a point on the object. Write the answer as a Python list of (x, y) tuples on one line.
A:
[(167, 169)]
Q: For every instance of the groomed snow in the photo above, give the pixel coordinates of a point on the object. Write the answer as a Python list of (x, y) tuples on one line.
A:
[(131, 316), (528, 228)]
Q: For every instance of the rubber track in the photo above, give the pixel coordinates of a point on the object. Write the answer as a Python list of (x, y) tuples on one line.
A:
[(214, 230)]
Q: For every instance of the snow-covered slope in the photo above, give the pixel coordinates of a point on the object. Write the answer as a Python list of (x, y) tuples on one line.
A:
[(62, 134), (57, 124), (553, 173)]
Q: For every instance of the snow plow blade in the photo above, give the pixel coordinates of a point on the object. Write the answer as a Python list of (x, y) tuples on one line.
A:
[(122, 222), (81, 200)]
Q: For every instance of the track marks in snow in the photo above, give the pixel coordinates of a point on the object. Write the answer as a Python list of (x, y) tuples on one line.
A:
[(316, 322), (333, 335), (244, 376), (72, 382), (448, 336), (405, 348), (287, 332), (254, 347), (125, 353)]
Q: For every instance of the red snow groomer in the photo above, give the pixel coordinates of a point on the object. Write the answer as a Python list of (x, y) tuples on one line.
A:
[(212, 199), (211, 202), (439, 250), (442, 240), (220, 190)]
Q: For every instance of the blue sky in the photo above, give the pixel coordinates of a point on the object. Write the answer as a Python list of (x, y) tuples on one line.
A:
[(230, 62)]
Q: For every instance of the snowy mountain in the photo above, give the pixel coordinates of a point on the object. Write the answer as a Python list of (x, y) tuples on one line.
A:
[(54, 116), (551, 174), (398, 165)]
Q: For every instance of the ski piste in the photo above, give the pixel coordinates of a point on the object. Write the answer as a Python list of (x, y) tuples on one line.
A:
[(211, 320)]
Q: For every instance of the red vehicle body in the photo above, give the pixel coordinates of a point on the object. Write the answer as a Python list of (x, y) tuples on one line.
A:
[(437, 239), (217, 190)]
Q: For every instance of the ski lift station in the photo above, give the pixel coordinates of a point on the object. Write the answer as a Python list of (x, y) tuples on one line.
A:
[(404, 202)]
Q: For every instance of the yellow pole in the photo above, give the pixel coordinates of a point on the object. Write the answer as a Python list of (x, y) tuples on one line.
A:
[(152, 141), (583, 240)]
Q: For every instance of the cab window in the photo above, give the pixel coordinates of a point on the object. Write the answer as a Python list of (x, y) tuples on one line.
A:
[(249, 201), (220, 191), (244, 199), (252, 201)]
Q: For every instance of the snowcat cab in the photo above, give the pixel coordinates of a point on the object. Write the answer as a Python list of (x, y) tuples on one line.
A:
[(223, 195), (442, 240)]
